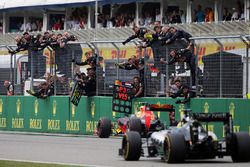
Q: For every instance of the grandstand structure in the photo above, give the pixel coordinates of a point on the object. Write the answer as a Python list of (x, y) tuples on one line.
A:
[(117, 34), (25, 9)]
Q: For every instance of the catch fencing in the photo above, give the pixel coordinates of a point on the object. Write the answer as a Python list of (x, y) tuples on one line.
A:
[(222, 66)]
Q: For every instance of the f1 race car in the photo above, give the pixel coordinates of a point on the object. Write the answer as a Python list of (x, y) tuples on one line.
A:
[(189, 141), (143, 122)]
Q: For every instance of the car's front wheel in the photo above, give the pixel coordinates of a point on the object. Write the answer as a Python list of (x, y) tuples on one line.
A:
[(175, 148), (104, 128), (131, 146)]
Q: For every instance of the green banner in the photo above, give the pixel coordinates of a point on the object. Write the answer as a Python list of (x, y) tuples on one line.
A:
[(15, 108), (3, 113), (58, 115), (36, 114)]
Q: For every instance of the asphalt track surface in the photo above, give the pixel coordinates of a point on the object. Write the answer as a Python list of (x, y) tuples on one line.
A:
[(84, 151)]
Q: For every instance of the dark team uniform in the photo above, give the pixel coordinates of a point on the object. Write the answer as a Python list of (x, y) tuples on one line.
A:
[(185, 55), (140, 34), (187, 95), (179, 34), (90, 87), (138, 65), (43, 92), (136, 88), (92, 61)]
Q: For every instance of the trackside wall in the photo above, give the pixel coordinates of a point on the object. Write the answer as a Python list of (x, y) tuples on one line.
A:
[(58, 115)]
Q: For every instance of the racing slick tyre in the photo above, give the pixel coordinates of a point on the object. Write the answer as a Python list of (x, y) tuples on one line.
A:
[(241, 147), (134, 124), (104, 128), (131, 146), (175, 148)]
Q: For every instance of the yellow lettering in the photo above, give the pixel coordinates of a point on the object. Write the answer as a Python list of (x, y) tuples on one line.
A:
[(2, 122), (35, 124), (223, 131), (236, 128), (53, 124), (17, 123), (72, 125), (209, 127), (91, 126)]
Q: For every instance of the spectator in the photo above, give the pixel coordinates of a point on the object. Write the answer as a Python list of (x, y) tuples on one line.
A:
[(33, 26), (109, 23), (235, 15), (120, 22), (165, 18), (39, 25), (142, 21), (131, 20), (158, 15), (1, 27), (137, 87), (148, 19), (9, 87), (82, 22), (209, 15), (100, 20), (70, 23), (77, 25), (199, 14), (26, 27), (57, 25), (226, 15), (241, 15), (240, 8), (183, 16), (175, 17)]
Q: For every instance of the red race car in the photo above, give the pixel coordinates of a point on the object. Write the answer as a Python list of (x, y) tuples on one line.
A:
[(143, 121)]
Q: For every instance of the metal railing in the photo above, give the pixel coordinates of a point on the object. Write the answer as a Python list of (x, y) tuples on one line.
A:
[(222, 69), (239, 48)]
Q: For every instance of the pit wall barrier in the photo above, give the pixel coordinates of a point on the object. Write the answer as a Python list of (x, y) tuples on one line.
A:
[(58, 115)]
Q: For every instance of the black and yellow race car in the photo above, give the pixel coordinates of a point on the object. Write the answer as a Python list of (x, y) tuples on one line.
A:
[(190, 140)]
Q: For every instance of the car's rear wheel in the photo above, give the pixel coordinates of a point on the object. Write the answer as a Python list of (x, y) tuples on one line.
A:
[(240, 147), (131, 146), (175, 148), (134, 124), (104, 128)]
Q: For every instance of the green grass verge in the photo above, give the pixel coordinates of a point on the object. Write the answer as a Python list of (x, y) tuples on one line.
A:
[(6, 163)]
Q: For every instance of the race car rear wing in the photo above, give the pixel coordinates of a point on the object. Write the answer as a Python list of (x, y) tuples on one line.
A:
[(161, 107), (224, 117), (212, 117)]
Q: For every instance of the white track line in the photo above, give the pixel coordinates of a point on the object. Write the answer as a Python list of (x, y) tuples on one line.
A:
[(53, 163)]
